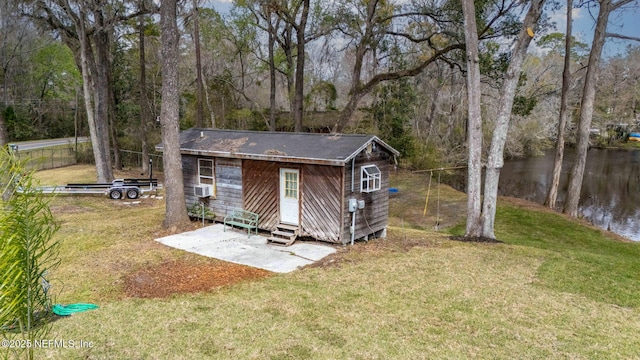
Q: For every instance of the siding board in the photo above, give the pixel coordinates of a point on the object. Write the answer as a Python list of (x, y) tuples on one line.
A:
[(261, 187), (321, 191), (374, 216)]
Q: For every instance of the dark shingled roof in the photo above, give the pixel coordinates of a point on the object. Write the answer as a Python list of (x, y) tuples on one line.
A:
[(330, 149)]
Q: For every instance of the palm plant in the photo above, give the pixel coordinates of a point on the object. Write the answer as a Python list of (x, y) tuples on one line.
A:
[(27, 252)]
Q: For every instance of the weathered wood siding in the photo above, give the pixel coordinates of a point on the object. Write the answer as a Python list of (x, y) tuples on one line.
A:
[(321, 204), (374, 216), (261, 185), (228, 177)]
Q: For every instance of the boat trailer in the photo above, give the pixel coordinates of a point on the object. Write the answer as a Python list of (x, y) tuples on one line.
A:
[(117, 189)]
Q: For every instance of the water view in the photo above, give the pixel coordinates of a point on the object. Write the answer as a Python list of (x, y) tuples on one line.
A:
[(610, 195)]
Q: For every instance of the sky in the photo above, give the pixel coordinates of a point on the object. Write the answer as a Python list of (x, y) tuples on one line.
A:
[(625, 21)]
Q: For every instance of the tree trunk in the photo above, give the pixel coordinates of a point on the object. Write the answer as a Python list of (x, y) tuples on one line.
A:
[(552, 195), (474, 135), (101, 102), (495, 161), (176, 211), (144, 102), (87, 88), (4, 136), (272, 73), (298, 98), (199, 83), (586, 110)]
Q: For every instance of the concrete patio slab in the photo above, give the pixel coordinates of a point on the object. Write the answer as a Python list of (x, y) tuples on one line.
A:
[(234, 246)]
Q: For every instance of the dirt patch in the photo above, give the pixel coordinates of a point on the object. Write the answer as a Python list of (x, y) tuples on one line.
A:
[(476, 239), (178, 277), (366, 249)]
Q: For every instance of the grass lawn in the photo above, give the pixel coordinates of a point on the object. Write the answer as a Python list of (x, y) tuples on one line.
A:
[(555, 288)]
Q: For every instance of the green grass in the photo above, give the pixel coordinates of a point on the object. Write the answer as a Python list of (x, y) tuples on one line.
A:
[(578, 259), (555, 289)]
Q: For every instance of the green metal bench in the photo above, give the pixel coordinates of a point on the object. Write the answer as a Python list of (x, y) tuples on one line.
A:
[(242, 218)]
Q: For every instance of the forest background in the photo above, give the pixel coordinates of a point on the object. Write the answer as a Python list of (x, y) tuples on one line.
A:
[(391, 68)]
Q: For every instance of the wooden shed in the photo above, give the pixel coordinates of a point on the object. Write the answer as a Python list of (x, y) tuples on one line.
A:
[(331, 187)]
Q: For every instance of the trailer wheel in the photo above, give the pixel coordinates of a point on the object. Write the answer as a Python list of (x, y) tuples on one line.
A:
[(115, 194), (132, 194)]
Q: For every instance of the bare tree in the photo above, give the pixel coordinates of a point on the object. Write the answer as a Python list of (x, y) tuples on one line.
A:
[(552, 195), (586, 106), (474, 132), (176, 211)]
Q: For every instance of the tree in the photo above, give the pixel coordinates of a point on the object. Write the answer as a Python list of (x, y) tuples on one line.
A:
[(87, 29), (480, 221), (176, 211), (495, 160), (586, 106), (428, 33), (474, 132), (199, 82), (552, 194), (144, 102)]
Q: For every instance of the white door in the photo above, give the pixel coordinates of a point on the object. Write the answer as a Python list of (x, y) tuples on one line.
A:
[(289, 196)]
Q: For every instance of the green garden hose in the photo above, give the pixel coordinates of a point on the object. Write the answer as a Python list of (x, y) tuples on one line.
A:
[(66, 310)]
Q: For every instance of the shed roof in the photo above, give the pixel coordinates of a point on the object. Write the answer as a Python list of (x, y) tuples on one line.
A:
[(329, 149)]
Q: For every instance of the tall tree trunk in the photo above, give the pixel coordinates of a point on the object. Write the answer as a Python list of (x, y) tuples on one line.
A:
[(586, 107), (176, 211), (144, 102), (272, 72), (199, 83), (552, 195), (495, 161), (87, 89), (474, 137), (287, 48), (102, 98), (298, 99), (115, 146)]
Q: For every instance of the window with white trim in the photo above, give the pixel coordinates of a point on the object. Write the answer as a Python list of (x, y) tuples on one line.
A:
[(206, 174), (371, 178)]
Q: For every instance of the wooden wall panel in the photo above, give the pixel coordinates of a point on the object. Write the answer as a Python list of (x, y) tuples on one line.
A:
[(374, 216), (228, 174), (260, 183), (321, 203)]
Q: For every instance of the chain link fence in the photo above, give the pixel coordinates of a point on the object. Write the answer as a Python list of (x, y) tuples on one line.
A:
[(48, 158), (51, 158), (133, 159)]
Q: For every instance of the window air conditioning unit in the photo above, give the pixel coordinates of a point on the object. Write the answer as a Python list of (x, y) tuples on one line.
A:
[(202, 191)]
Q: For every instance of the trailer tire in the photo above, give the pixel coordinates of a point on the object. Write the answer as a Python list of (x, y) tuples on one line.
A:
[(115, 194), (132, 194)]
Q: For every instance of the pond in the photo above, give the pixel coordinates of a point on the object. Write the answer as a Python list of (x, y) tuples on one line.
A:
[(610, 195)]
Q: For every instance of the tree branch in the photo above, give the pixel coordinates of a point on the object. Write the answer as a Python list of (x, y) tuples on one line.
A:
[(623, 37)]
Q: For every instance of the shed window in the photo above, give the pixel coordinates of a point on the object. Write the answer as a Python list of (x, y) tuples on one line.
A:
[(206, 175), (371, 178)]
